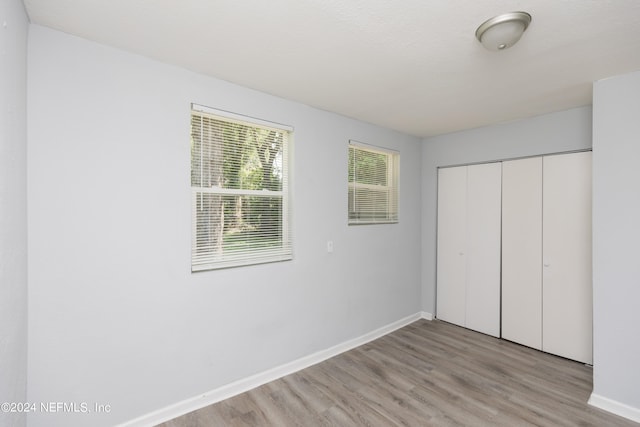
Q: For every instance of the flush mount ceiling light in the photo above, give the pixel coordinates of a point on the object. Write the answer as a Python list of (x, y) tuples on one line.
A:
[(503, 31)]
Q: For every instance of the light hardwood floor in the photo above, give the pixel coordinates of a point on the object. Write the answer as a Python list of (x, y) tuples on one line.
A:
[(429, 373)]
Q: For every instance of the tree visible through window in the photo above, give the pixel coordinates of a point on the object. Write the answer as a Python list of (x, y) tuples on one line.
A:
[(240, 201), (373, 185)]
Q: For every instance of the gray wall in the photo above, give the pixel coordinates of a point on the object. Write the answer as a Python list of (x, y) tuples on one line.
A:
[(551, 133), (616, 235), (13, 208), (115, 315)]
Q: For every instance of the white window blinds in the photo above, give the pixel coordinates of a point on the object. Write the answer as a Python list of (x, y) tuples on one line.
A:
[(373, 184), (239, 191)]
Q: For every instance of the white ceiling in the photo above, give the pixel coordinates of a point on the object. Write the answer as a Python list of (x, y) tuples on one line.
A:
[(410, 65)]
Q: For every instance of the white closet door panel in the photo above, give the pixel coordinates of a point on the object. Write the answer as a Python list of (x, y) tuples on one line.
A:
[(567, 282), (451, 277), (522, 251), (483, 248)]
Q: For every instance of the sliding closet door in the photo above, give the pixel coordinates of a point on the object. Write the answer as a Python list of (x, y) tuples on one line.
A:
[(483, 248), (567, 282), (452, 229), (522, 251)]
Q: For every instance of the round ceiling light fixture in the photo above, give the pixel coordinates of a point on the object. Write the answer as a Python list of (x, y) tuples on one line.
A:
[(503, 31)]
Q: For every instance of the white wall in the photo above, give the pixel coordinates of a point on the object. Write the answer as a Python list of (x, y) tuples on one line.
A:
[(115, 315), (550, 133), (13, 208), (616, 233)]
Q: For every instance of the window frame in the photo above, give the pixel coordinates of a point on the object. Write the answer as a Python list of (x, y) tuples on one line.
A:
[(391, 208), (282, 252)]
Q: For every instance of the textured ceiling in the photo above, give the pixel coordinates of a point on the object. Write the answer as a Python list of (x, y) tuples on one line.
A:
[(409, 65)]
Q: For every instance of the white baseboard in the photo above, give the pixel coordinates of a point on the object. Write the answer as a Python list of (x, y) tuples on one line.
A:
[(615, 407), (246, 384), (426, 315)]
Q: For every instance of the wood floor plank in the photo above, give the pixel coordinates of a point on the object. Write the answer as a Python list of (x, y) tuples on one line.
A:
[(429, 373)]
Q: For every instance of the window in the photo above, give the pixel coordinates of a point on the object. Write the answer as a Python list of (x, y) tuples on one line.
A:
[(373, 184), (239, 190)]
